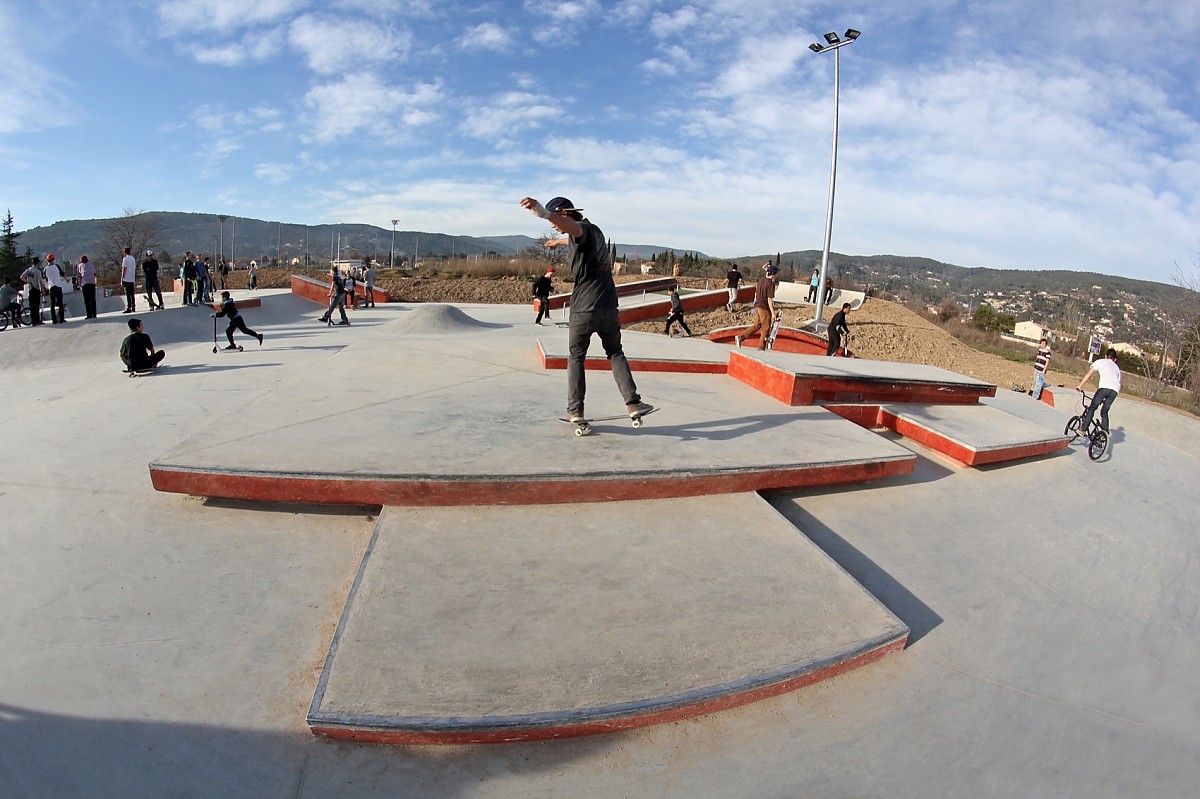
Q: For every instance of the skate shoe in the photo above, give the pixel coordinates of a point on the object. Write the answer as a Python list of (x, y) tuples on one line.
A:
[(638, 408)]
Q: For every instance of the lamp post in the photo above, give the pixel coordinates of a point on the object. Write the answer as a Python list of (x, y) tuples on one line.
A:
[(835, 43), (392, 257), (221, 257)]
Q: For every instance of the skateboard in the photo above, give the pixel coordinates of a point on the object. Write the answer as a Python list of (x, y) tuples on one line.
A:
[(144, 372), (584, 427), (774, 331)]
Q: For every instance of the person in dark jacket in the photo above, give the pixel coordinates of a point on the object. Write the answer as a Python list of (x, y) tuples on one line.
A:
[(676, 313), (541, 292), (593, 303), (230, 311)]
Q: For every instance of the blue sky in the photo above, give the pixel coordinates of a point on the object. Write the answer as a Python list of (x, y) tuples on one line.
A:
[(1037, 134)]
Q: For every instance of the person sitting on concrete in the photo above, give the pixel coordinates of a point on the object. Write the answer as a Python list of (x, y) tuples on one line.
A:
[(137, 350)]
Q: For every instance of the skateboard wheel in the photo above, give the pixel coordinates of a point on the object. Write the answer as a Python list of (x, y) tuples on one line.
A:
[(214, 350), (239, 348), (637, 422), (581, 431)]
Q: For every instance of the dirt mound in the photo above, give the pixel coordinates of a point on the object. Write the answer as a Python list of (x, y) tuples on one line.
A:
[(439, 320)]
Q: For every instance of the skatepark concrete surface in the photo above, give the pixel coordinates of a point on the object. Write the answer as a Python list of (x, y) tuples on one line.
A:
[(161, 644)]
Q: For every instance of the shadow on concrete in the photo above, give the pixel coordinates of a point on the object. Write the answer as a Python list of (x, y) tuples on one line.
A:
[(306, 508), (48, 754), (919, 617)]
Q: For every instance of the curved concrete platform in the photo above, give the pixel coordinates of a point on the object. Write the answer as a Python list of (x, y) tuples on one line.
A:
[(510, 624), (466, 415)]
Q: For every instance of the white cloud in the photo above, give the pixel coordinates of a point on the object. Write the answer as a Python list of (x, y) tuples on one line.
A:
[(507, 114), (274, 173), (252, 48), (191, 16), (663, 25), (487, 36), (362, 103), (332, 46), (32, 97)]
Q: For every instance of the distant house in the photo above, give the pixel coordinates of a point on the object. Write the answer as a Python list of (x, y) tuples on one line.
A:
[(1031, 331), (1128, 349)]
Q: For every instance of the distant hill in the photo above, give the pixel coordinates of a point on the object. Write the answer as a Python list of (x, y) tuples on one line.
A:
[(1122, 308), (244, 238)]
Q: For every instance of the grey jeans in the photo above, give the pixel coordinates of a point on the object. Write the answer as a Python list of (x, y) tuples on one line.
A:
[(605, 324)]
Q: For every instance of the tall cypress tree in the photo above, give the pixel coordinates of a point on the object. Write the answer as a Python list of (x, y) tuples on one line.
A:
[(11, 263)]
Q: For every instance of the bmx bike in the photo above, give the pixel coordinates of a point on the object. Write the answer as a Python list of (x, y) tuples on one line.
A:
[(20, 316), (1097, 436)]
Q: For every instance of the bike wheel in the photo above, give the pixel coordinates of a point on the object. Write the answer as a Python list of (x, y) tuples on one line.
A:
[(1072, 428), (26, 318), (4, 321), (1098, 445)]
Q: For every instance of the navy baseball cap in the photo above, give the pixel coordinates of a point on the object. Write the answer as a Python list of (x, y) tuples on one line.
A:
[(560, 205)]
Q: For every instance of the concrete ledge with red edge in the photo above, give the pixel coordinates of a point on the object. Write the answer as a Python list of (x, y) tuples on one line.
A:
[(795, 379), (974, 435), (466, 394), (578, 620), (318, 291), (645, 352), (787, 339)]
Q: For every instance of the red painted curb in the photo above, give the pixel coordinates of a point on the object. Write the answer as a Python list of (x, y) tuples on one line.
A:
[(330, 489)]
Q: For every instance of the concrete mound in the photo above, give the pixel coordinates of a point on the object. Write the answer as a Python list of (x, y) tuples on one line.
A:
[(437, 319)]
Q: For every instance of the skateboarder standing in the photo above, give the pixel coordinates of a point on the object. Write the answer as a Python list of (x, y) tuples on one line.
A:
[(837, 329), (593, 303), (230, 311), (541, 292), (764, 308), (337, 298)]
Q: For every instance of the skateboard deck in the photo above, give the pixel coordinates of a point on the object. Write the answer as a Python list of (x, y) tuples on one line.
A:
[(582, 428), (774, 331), (144, 372)]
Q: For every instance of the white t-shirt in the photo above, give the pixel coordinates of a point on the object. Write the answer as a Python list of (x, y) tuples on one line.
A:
[(128, 269), (54, 278), (1110, 374)]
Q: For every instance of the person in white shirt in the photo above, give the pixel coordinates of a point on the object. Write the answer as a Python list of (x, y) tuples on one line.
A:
[(87, 283), (55, 282), (1106, 394), (129, 279), (37, 284)]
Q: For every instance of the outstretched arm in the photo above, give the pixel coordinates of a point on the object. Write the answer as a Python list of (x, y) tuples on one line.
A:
[(561, 222)]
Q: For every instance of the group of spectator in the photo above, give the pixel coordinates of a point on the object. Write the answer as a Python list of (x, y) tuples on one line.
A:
[(46, 281)]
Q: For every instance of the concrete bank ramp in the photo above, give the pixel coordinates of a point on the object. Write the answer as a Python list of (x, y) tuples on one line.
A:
[(472, 625)]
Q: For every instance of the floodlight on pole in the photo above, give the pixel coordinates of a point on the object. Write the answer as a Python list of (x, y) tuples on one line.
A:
[(392, 257), (834, 43)]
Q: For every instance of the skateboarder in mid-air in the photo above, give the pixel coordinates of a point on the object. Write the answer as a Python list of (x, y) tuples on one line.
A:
[(230, 311), (593, 304)]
